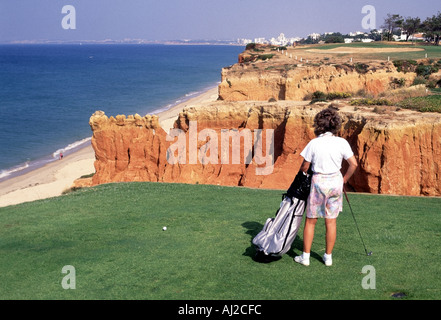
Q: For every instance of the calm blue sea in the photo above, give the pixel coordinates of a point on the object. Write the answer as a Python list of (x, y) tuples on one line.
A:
[(49, 92)]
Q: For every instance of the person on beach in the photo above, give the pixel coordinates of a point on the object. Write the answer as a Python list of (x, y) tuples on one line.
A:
[(325, 154)]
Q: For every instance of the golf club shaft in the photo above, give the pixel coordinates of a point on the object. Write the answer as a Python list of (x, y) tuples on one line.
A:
[(353, 216)]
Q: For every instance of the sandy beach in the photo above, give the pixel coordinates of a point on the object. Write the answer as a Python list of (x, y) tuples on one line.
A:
[(58, 176)]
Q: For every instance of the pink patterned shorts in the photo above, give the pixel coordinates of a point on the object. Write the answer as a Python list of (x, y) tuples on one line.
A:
[(326, 197)]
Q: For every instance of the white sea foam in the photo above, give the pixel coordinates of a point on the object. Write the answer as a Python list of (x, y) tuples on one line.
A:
[(8, 172), (194, 93), (34, 164), (187, 97), (71, 146)]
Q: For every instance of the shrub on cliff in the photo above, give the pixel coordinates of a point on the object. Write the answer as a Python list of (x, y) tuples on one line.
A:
[(422, 70), (361, 67), (338, 95), (265, 56), (370, 102), (321, 96), (318, 96), (419, 80), (405, 65), (426, 70), (398, 83), (255, 57), (431, 103), (250, 46)]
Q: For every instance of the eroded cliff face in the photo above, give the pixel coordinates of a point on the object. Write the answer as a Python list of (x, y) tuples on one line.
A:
[(265, 72), (244, 82), (400, 157), (127, 148), (399, 152)]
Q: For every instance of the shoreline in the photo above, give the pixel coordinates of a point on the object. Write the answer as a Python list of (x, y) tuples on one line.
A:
[(55, 177), (167, 117)]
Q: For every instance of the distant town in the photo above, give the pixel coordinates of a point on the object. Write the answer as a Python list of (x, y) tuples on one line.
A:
[(281, 40), (333, 37)]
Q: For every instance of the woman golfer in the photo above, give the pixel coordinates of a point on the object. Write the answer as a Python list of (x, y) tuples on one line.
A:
[(325, 154)]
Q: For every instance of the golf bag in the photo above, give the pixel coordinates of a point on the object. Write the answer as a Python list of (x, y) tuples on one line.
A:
[(279, 232)]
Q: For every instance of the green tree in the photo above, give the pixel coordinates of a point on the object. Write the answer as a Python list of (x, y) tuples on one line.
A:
[(375, 35), (335, 37), (309, 40), (391, 23), (432, 28), (410, 26)]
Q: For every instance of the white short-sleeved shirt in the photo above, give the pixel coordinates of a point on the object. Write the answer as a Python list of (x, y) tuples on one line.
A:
[(326, 153)]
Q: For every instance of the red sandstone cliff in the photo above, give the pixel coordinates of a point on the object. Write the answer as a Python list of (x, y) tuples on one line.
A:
[(399, 152), (226, 142), (244, 82), (264, 73)]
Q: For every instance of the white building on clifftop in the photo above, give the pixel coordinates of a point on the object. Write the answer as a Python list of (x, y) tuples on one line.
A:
[(281, 40)]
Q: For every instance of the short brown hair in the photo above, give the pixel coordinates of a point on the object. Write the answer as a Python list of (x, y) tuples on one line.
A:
[(327, 120)]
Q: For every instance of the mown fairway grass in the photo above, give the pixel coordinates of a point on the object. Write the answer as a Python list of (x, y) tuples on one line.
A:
[(433, 52), (112, 235)]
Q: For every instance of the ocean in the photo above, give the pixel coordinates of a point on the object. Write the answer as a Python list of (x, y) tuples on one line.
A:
[(49, 92)]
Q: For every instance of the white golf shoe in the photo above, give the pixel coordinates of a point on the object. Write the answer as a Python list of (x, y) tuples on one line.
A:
[(301, 260), (327, 259)]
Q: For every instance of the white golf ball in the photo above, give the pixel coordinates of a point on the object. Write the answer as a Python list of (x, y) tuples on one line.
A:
[(164, 228)]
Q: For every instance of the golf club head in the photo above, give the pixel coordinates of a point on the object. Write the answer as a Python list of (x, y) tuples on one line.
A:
[(369, 253)]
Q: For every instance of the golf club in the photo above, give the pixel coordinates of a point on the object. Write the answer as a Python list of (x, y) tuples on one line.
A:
[(353, 216)]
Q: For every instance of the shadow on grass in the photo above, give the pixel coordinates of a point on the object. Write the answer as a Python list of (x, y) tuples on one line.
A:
[(253, 228)]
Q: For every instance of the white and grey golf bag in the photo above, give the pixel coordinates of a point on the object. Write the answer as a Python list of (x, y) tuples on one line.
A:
[(279, 232)]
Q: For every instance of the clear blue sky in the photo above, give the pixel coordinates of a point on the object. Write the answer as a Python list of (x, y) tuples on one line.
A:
[(194, 19)]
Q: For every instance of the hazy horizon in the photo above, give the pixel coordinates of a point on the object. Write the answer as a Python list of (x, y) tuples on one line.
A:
[(193, 19)]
